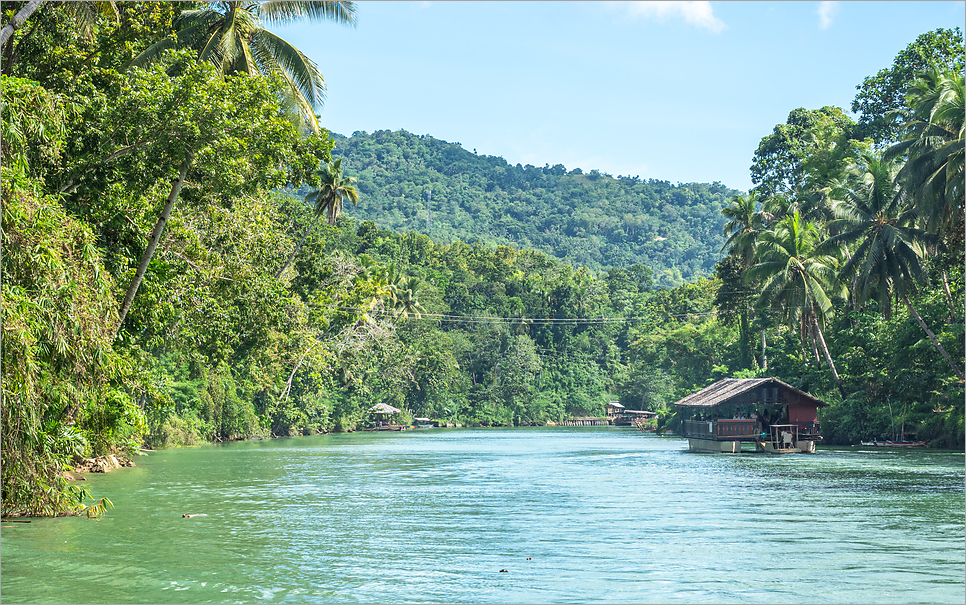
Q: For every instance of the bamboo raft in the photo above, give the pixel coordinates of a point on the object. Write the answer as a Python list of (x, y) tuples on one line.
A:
[(584, 421)]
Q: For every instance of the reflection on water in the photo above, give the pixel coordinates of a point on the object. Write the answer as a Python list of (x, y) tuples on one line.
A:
[(595, 514)]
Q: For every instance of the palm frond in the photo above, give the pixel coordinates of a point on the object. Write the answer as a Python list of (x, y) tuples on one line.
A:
[(277, 12), (85, 14), (301, 70), (151, 53)]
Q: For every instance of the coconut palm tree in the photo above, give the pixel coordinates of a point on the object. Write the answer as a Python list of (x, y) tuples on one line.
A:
[(334, 189), (934, 148), (233, 36), (745, 223), (875, 213), (798, 280), (406, 298), (327, 199)]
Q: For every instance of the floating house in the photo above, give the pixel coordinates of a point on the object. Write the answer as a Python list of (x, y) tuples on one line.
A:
[(774, 415)]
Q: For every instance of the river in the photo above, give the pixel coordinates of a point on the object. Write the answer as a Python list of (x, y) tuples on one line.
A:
[(596, 514)]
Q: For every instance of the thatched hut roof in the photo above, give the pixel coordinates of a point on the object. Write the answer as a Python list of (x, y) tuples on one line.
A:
[(744, 391), (384, 408)]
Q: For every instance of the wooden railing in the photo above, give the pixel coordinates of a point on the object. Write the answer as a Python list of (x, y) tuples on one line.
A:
[(721, 429), (737, 429), (701, 429)]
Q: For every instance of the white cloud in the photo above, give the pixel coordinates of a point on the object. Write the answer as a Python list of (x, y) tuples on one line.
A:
[(699, 14), (826, 10)]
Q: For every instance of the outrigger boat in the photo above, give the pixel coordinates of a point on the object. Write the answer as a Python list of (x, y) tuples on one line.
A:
[(904, 444), (774, 416)]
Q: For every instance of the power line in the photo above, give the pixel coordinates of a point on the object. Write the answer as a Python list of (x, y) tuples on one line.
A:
[(444, 317), (758, 312)]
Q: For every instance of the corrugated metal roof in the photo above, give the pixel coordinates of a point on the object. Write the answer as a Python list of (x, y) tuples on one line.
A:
[(728, 388)]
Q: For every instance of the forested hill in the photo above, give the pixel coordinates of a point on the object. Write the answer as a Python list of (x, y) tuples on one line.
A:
[(591, 220)]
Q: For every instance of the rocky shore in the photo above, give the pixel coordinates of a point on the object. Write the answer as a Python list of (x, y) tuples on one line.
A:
[(100, 464)]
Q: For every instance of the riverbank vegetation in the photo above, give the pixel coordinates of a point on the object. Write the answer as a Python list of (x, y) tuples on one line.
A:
[(166, 282)]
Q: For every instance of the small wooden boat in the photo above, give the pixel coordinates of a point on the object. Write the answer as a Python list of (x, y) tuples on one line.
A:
[(903, 444)]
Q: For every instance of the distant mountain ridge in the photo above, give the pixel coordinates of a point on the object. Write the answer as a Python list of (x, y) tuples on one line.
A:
[(418, 183)]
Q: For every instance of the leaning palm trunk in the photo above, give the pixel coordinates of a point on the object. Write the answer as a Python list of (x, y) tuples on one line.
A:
[(807, 337), (812, 339), (828, 356), (152, 244), (932, 337), (293, 255), (18, 20)]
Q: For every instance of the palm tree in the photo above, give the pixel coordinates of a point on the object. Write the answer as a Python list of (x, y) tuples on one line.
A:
[(875, 213), (233, 36), (934, 148), (406, 298), (327, 200), (797, 280), (745, 224), (388, 280), (334, 189)]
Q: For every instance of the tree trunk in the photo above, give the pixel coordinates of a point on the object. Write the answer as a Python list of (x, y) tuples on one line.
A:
[(747, 352), (152, 244), (291, 377), (932, 337), (764, 355), (812, 338), (12, 51), (949, 298), (828, 356), (293, 255), (18, 20)]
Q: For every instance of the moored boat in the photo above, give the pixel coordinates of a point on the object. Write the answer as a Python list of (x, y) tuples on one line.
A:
[(900, 444)]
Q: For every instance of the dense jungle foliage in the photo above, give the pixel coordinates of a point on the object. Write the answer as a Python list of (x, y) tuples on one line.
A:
[(419, 183), (163, 287)]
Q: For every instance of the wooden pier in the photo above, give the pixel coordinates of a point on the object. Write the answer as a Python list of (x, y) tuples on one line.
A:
[(584, 421)]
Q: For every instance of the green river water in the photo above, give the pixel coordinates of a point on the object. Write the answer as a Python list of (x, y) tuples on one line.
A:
[(597, 514)]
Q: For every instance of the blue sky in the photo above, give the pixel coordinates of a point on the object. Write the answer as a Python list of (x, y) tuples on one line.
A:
[(679, 91)]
